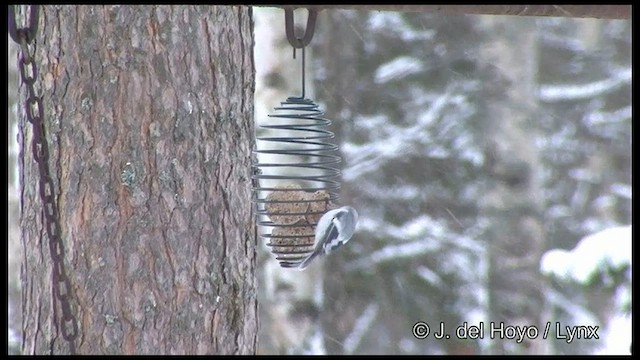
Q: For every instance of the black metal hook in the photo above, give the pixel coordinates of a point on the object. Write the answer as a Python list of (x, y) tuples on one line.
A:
[(295, 41), (30, 30)]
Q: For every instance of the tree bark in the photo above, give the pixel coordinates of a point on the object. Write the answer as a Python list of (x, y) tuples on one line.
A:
[(149, 114)]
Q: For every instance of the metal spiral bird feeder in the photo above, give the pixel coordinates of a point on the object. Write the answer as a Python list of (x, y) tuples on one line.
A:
[(296, 178)]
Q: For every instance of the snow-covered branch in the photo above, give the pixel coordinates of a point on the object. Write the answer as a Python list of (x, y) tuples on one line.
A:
[(394, 252), (555, 93), (368, 157), (609, 247), (361, 326)]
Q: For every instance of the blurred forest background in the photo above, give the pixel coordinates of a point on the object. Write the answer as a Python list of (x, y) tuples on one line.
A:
[(473, 146)]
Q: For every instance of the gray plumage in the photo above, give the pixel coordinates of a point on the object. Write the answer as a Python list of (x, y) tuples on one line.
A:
[(334, 229)]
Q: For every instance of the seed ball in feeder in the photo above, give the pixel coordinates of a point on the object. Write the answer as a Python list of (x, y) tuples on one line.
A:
[(274, 207), (293, 241), (320, 205)]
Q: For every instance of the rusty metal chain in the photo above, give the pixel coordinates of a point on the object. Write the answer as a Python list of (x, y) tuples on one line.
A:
[(34, 110)]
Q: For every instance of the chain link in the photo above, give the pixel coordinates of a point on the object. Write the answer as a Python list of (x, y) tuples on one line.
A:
[(34, 111)]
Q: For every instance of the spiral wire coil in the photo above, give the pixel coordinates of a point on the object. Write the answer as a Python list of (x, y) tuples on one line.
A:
[(296, 178)]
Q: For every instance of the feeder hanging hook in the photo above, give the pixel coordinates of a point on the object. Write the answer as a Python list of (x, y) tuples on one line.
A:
[(295, 41)]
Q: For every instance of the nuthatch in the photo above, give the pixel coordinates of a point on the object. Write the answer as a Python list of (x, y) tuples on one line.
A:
[(334, 229)]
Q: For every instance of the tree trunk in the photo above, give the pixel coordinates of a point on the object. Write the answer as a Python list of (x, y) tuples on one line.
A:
[(149, 115), (514, 200)]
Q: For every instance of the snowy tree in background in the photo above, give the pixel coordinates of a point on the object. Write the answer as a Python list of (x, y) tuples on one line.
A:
[(599, 270), (406, 95), (413, 97), (585, 89)]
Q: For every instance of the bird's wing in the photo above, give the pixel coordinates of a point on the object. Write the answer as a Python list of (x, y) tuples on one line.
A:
[(332, 240), (324, 244)]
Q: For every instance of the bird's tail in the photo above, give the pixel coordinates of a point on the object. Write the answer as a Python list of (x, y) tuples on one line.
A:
[(303, 265)]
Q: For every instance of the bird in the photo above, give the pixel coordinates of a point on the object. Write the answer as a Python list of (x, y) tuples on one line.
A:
[(334, 229)]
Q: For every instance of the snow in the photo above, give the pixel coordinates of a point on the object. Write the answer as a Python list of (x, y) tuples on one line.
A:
[(617, 337), (595, 118), (430, 276), (363, 323), (561, 42), (556, 93), (417, 226), (622, 190), (438, 152), (386, 21), (371, 123), (394, 253), (413, 228), (316, 343), (424, 234), (397, 69), (394, 144), (609, 247), (557, 262)]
